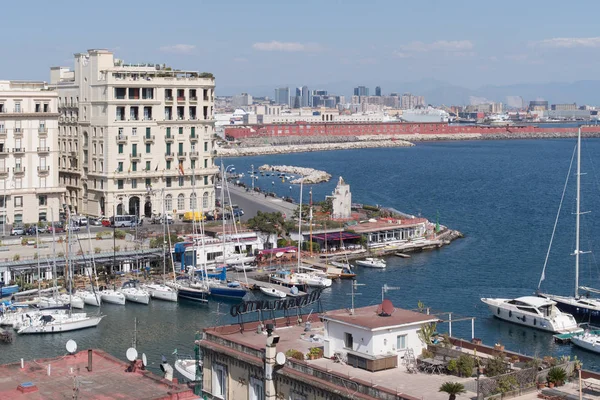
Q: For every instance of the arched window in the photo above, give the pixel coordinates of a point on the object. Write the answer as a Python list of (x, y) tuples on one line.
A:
[(181, 202), (193, 202), (205, 201), (168, 203)]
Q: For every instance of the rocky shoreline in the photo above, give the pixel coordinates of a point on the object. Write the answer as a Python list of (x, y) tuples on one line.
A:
[(303, 148), (309, 175)]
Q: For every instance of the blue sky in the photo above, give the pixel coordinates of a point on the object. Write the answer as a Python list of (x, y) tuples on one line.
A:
[(264, 43)]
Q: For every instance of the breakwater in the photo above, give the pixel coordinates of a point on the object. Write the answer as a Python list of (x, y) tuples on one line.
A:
[(308, 147), (309, 175)]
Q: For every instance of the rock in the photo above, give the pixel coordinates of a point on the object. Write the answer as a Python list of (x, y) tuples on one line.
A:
[(309, 175)]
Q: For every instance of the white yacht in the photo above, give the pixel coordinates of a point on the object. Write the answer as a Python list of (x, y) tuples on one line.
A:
[(235, 259), (90, 298), (187, 368), (60, 300), (112, 297), (136, 295), (161, 292), (54, 323), (588, 341), (312, 280), (535, 312), (371, 262)]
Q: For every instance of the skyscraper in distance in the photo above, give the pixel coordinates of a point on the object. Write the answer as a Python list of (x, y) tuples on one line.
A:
[(378, 91), (361, 91), (282, 95)]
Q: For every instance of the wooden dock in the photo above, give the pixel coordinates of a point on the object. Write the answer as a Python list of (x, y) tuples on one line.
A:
[(254, 284)]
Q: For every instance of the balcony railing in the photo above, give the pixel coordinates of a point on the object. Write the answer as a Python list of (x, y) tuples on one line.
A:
[(3, 133), (193, 137), (169, 138), (169, 155), (149, 138), (43, 149), (194, 154), (19, 150), (4, 151), (193, 99), (43, 169), (42, 131), (180, 98), (181, 155), (18, 131), (4, 172), (169, 99), (135, 156), (18, 170), (121, 138)]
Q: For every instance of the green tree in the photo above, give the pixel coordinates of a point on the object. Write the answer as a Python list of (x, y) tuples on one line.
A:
[(271, 223), (496, 366), (452, 388), (305, 211), (426, 333), (158, 241), (326, 206)]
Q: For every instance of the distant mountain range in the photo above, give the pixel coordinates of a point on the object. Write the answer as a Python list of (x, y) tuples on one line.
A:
[(439, 92)]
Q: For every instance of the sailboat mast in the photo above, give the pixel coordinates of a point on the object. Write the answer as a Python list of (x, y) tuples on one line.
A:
[(577, 213), (37, 242), (300, 225), (53, 250), (223, 178)]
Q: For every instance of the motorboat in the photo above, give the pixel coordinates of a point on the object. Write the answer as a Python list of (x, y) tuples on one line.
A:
[(187, 368), (313, 280), (534, 312), (234, 259), (8, 290), (244, 267), (347, 272), (135, 294), (402, 255), (194, 291), (161, 292), (60, 300), (112, 297), (371, 262), (588, 341), (90, 298), (54, 323), (272, 292)]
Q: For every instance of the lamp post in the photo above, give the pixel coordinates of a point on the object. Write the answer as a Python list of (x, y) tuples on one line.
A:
[(253, 177)]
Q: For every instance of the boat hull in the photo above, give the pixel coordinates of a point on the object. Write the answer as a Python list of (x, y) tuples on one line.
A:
[(582, 314), (227, 292), (369, 264), (160, 292), (113, 298), (187, 368), (193, 294), (580, 341), (271, 292), (6, 291), (91, 299), (63, 326), (138, 298)]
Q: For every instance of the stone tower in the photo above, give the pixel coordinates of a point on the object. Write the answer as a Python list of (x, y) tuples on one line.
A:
[(342, 200)]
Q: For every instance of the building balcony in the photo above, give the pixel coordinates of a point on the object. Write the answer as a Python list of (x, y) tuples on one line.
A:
[(194, 155), (169, 139), (19, 170), (149, 138), (168, 99), (182, 155), (193, 99), (4, 151), (18, 132), (180, 98), (169, 156), (42, 131), (121, 138), (19, 150), (135, 156), (193, 138), (44, 170), (3, 133), (4, 172), (43, 149)]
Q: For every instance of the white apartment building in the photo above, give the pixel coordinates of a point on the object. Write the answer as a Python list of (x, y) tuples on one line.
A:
[(133, 137), (28, 153)]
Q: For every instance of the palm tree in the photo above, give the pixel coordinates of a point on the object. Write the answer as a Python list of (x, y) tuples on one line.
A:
[(452, 388)]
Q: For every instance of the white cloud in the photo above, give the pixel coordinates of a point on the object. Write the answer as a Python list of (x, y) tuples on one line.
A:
[(178, 48), (569, 43), (274, 45), (440, 45)]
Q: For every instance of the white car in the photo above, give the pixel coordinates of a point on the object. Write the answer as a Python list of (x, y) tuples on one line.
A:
[(73, 228)]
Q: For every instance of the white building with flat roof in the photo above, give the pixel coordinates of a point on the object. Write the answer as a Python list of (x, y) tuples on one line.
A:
[(134, 136), (28, 153)]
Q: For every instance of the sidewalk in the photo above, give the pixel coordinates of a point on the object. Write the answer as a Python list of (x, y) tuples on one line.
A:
[(253, 201)]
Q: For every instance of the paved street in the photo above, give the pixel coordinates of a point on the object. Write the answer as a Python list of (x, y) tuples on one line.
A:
[(251, 202)]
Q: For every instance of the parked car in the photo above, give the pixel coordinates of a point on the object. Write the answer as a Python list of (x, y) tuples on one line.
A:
[(95, 221), (73, 228), (105, 221), (57, 228), (17, 230), (33, 229)]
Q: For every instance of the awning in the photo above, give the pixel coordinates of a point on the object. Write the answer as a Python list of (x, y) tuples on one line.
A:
[(337, 236)]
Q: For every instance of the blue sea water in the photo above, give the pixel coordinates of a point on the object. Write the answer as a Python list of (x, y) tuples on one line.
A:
[(502, 195)]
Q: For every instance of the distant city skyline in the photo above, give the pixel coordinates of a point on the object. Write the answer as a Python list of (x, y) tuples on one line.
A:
[(466, 44)]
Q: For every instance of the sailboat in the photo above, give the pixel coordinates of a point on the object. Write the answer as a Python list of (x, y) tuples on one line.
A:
[(59, 322), (583, 308), (161, 291), (90, 297)]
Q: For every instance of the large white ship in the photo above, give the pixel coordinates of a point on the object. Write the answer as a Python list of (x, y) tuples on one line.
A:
[(425, 115)]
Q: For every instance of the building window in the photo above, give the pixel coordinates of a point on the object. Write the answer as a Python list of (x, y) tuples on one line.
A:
[(168, 132), (120, 166), (120, 149), (205, 201), (43, 200), (180, 202), (168, 167), (120, 184), (181, 181), (134, 166), (168, 202), (206, 180), (205, 146), (206, 163), (168, 181), (147, 165), (193, 202), (18, 219), (18, 201), (134, 183), (348, 340), (193, 164), (401, 342), (133, 131), (42, 216), (219, 381), (148, 182), (181, 130), (256, 389), (148, 148)]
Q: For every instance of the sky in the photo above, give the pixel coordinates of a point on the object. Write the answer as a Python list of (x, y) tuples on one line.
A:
[(258, 45)]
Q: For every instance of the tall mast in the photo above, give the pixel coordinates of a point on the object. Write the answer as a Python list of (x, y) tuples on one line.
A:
[(310, 222), (53, 251), (223, 178), (577, 213), (300, 225), (37, 241)]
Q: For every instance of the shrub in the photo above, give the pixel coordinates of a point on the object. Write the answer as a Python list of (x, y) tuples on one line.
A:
[(506, 384), (550, 361), (495, 366), (557, 375), (426, 353), (315, 352), (117, 248), (465, 365), (16, 257), (293, 353), (60, 254), (452, 388), (120, 234), (97, 250), (452, 366)]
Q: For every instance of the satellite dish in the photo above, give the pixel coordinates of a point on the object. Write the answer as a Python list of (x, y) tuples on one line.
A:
[(144, 359), (131, 354), (280, 358), (71, 346)]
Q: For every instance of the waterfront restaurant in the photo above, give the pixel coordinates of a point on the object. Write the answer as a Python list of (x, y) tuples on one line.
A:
[(337, 241), (386, 231)]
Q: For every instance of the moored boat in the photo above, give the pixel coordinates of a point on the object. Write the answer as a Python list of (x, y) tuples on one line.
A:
[(371, 262), (187, 368), (112, 297), (272, 292), (161, 292), (588, 341), (55, 323), (534, 312)]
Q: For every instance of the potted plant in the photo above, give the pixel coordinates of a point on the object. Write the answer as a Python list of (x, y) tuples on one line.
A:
[(499, 347), (314, 353), (293, 353), (541, 382), (452, 388), (556, 376)]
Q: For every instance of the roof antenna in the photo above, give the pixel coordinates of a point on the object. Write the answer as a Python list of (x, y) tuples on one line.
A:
[(354, 286), (385, 288)]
